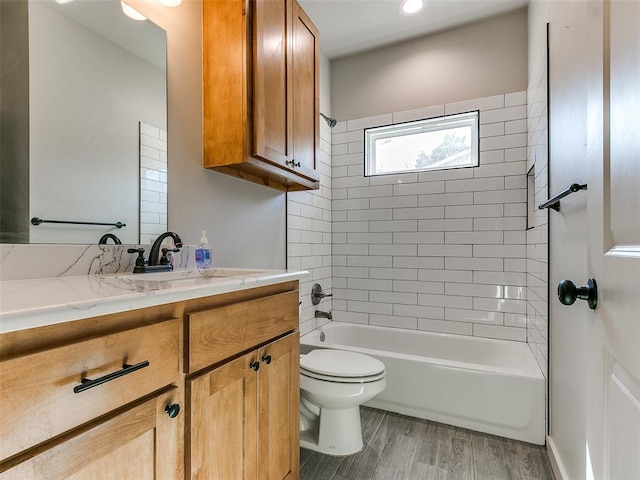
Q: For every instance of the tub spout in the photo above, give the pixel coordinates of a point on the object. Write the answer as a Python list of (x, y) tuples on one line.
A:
[(320, 314)]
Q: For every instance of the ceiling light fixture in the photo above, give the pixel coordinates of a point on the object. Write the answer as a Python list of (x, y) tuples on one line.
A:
[(131, 12), (170, 3), (411, 7)]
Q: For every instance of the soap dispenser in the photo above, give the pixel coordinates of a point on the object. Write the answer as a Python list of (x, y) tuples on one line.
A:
[(203, 252)]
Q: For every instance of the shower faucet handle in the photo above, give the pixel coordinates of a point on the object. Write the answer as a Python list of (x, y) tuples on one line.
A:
[(317, 294)]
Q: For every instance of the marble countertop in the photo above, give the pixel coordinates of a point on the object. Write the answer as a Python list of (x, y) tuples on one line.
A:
[(46, 301)]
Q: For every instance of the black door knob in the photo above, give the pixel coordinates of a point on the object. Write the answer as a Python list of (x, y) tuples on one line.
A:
[(172, 410), (255, 366), (568, 292), (266, 359)]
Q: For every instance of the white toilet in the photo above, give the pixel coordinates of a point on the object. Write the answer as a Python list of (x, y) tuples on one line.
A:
[(333, 385)]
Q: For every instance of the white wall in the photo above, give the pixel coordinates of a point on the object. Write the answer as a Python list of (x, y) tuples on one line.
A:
[(87, 96), (245, 223), (568, 353), (325, 85), (567, 244), (477, 60)]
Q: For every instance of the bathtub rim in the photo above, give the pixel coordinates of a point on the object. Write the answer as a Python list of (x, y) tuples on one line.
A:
[(530, 370)]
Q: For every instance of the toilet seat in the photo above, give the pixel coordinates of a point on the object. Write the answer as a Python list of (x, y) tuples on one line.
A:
[(328, 378), (341, 366)]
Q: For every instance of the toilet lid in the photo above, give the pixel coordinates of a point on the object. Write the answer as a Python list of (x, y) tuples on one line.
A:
[(340, 363)]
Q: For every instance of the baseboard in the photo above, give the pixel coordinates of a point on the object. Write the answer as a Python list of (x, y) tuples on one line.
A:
[(559, 471)]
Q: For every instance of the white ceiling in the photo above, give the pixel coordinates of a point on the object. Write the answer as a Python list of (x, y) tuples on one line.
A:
[(351, 26)]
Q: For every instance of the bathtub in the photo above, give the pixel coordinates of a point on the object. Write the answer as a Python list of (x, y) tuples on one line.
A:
[(491, 386)]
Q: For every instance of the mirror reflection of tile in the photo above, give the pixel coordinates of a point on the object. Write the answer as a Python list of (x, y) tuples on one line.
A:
[(153, 182)]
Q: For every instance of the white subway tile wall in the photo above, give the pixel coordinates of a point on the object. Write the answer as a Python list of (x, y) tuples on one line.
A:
[(309, 237), (537, 237), (153, 182), (442, 251)]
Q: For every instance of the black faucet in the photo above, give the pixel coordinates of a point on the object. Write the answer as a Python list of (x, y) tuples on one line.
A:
[(154, 254), (107, 236)]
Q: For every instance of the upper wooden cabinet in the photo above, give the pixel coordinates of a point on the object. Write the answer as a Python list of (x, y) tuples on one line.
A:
[(261, 92)]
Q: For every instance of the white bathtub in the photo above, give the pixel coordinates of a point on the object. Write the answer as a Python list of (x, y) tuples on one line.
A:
[(491, 386)]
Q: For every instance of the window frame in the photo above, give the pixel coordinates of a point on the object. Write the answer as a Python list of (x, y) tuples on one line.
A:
[(392, 131)]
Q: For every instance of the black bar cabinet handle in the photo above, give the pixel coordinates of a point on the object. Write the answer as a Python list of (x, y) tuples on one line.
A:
[(38, 221), (555, 201), (126, 369)]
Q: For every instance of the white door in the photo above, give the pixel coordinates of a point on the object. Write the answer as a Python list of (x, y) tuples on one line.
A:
[(613, 328)]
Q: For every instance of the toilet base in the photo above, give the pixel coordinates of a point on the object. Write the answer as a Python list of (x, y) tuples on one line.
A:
[(337, 433)]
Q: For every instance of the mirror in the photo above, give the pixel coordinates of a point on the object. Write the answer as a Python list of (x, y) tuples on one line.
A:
[(96, 130)]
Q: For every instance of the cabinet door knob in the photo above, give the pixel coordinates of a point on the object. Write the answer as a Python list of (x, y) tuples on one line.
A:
[(266, 359), (255, 366), (172, 410), (568, 292)]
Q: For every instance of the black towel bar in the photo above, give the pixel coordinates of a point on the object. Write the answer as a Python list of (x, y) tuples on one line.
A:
[(555, 201), (38, 221)]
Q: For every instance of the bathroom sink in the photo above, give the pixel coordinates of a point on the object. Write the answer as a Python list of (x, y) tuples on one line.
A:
[(190, 275)]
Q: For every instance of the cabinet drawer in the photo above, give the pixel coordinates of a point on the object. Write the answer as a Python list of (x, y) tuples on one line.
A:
[(220, 333), (37, 390)]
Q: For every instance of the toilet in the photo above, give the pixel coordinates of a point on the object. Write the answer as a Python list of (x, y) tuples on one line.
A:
[(333, 385)]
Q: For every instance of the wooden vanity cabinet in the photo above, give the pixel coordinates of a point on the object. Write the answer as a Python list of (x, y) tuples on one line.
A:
[(261, 92), (229, 362), (244, 406)]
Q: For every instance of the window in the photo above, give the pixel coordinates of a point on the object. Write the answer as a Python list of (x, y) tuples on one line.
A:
[(433, 144)]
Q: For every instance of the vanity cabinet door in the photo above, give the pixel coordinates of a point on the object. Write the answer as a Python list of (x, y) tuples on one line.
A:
[(278, 409), (222, 427), (140, 443), (244, 419)]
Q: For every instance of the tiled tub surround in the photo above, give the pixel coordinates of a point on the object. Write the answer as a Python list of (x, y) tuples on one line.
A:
[(443, 251), (309, 237), (537, 236)]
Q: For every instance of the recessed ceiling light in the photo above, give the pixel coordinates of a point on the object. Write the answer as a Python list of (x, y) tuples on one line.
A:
[(131, 12), (411, 7)]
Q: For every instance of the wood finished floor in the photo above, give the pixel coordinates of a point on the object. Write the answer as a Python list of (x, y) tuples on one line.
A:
[(406, 448)]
